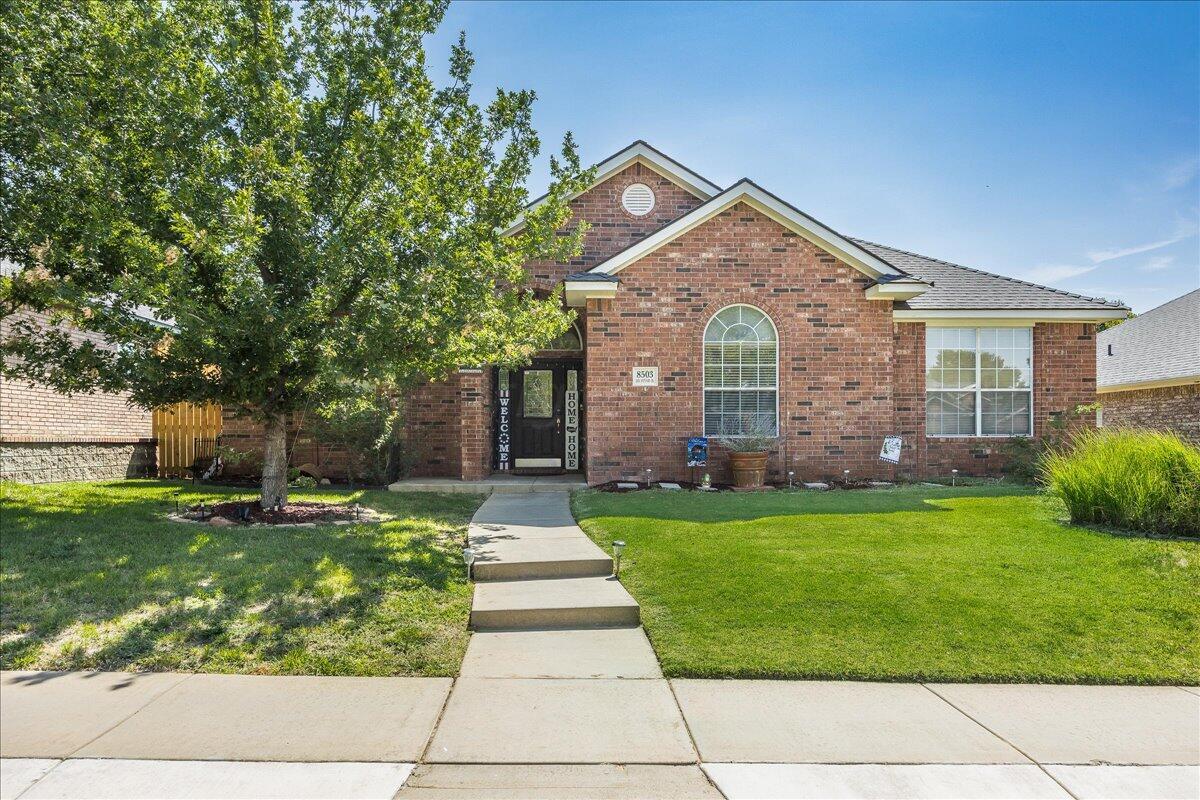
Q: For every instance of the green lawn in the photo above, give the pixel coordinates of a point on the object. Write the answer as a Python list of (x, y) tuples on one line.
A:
[(976, 583), (93, 577)]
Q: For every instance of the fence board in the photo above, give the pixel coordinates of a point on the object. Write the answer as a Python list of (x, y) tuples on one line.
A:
[(177, 428)]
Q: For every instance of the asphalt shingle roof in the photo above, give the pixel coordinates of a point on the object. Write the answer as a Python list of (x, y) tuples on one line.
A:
[(959, 287), (1162, 344)]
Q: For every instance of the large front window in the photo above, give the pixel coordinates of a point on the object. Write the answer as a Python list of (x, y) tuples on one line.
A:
[(740, 373), (978, 381)]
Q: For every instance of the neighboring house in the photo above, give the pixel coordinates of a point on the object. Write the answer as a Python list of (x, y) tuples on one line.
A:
[(705, 310), (1148, 369), (46, 436)]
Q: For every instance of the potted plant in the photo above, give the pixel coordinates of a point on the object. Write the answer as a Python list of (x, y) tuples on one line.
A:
[(748, 452)]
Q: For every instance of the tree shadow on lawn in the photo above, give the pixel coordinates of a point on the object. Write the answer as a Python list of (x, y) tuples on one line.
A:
[(99, 580), (734, 507)]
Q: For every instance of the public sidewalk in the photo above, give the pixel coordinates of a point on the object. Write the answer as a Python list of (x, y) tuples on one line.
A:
[(551, 704), (168, 735)]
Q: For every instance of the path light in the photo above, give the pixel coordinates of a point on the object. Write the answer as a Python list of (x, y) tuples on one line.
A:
[(791, 478), (618, 546), (469, 560), (649, 472), (846, 475), (357, 511), (954, 477)]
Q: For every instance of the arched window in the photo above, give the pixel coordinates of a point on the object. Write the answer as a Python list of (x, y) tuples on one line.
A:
[(569, 340), (741, 373)]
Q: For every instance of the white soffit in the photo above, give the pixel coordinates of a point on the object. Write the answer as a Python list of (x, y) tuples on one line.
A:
[(639, 153), (579, 292), (992, 317), (746, 191)]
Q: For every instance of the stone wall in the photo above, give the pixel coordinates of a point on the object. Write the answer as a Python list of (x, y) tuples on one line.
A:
[(1168, 408), (46, 436), (51, 461)]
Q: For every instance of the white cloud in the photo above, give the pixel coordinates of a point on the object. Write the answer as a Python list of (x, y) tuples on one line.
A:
[(1158, 263), (1185, 227), (1049, 273), (1181, 173)]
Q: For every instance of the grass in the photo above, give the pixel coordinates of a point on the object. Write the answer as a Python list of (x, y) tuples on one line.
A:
[(981, 583), (93, 577), (1141, 480)]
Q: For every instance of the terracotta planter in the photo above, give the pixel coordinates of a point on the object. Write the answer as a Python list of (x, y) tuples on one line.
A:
[(748, 469)]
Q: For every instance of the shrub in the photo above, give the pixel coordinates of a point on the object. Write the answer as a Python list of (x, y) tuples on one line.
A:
[(1024, 454), (1132, 479)]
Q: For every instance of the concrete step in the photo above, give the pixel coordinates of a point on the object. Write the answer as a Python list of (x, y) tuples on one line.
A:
[(553, 603), (499, 558)]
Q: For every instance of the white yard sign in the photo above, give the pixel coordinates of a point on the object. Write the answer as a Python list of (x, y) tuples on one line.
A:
[(645, 376), (891, 449)]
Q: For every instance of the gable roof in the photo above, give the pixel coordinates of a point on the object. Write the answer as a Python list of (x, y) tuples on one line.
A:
[(748, 192), (1159, 347), (964, 288), (643, 153)]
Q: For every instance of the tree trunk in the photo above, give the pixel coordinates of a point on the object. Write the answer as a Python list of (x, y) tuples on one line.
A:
[(275, 461)]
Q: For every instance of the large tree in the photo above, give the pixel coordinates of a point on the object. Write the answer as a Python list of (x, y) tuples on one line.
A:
[(262, 205)]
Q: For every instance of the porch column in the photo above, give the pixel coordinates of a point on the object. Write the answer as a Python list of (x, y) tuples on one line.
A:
[(475, 416)]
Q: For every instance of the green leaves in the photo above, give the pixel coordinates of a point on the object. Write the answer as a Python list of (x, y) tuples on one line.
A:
[(284, 185)]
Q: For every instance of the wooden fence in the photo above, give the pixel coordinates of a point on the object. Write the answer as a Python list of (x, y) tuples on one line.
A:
[(177, 428)]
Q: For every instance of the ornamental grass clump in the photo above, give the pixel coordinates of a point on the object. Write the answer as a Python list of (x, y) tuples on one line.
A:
[(1132, 479)]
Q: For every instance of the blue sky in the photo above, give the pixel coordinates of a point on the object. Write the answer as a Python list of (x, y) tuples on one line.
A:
[(1054, 142)]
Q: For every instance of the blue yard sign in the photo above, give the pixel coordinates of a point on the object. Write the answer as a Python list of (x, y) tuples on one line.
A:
[(697, 451)]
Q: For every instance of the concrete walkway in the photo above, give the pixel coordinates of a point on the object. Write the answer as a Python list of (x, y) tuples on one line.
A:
[(561, 696)]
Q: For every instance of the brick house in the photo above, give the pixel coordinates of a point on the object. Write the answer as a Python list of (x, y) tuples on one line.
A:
[(46, 436), (1148, 370), (704, 311)]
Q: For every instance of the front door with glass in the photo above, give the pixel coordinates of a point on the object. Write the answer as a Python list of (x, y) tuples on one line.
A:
[(539, 417)]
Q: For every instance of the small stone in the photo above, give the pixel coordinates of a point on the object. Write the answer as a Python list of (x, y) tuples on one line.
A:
[(325, 481), (816, 485), (626, 485), (881, 483), (673, 487), (221, 522)]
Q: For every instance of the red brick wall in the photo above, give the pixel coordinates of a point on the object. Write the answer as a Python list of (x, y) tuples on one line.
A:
[(1064, 377), (835, 358), (434, 428), (612, 228), (38, 413), (1169, 408), (475, 403)]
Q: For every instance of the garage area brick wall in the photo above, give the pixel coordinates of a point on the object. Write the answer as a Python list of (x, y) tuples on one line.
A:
[(1167, 408)]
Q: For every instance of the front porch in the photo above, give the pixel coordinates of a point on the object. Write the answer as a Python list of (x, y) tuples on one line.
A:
[(499, 482)]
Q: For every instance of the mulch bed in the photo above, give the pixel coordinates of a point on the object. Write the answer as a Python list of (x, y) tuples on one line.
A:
[(300, 512), (687, 486)]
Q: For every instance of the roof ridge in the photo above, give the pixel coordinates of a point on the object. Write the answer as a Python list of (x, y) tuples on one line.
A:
[(722, 197), (1111, 303)]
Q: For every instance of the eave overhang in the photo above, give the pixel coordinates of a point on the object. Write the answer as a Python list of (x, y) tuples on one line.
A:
[(753, 195), (637, 153)]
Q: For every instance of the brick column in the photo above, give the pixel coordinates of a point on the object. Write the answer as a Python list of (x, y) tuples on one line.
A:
[(475, 415)]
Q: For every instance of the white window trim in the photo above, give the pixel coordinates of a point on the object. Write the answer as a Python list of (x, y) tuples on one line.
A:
[(704, 390), (979, 390)]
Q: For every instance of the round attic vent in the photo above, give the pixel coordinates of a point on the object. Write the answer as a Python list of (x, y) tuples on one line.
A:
[(638, 199)]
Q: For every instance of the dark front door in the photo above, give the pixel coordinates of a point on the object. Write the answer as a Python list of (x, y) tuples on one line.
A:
[(545, 415)]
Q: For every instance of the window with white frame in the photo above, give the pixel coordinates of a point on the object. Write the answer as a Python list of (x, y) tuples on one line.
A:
[(978, 381), (741, 366)]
